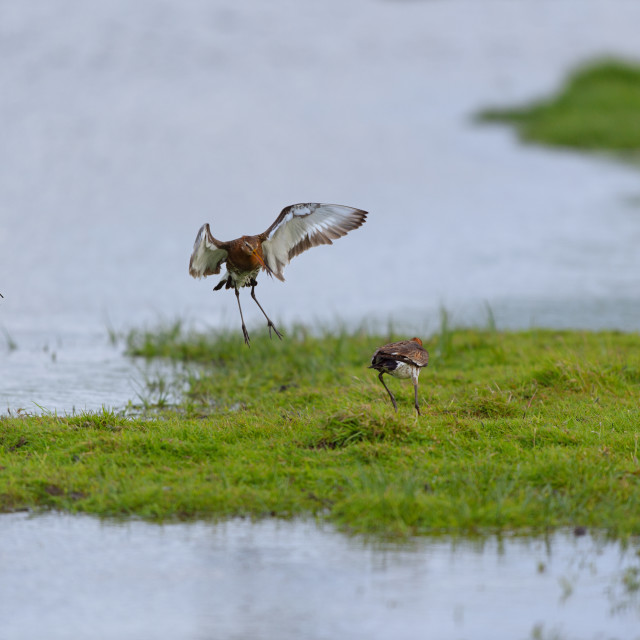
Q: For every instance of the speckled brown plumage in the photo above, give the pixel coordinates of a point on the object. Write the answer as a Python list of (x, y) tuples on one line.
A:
[(298, 228), (402, 359)]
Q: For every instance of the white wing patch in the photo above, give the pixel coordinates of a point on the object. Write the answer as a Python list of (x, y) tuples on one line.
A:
[(207, 256), (303, 226)]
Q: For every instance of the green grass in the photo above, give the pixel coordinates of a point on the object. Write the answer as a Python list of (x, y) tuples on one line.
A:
[(597, 109), (523, 431)]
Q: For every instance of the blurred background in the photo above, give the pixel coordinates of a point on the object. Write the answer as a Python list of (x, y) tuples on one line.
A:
[(126, 125)]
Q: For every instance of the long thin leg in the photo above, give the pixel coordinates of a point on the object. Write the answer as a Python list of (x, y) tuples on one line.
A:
[(269, 323), (415, 395), (395, 406), (244, 329)]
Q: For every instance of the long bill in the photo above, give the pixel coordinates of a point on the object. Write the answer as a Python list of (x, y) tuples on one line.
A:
[(265, 266)]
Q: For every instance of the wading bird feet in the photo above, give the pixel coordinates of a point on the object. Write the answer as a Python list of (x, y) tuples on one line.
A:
[(273, 326)]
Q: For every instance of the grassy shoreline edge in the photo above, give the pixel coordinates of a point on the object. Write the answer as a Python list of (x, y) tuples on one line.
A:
[(597, 110), (521, 432)]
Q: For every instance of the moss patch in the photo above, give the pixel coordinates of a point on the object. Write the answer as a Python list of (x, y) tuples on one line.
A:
[(521, 431), (597, 109)]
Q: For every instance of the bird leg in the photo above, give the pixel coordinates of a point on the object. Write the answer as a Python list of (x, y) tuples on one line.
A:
[(269, 323), (244, 329), (415, 389), (393, 400)]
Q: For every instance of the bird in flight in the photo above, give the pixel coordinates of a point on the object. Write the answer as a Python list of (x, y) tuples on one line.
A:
[(298, 228), (401, 360)]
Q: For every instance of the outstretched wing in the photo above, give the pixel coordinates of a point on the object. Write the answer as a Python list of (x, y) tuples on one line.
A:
[(302, 226), (208, 254)]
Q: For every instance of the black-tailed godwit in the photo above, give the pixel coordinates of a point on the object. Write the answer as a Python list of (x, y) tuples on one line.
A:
[(298, 228), (401, 360)]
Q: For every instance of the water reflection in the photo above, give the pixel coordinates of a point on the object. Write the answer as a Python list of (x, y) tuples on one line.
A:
[(78, 577)]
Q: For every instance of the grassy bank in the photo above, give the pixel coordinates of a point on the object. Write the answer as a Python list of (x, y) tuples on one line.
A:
[(520, 431), (598, 108)]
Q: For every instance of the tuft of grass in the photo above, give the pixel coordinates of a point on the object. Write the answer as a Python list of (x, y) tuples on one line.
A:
[(443, 344), (520, 431), (597, 109), (12, 345), (344, 429)]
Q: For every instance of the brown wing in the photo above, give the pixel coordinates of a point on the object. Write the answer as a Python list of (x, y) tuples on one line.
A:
[(407, 351), (208, 254), (302, 226)]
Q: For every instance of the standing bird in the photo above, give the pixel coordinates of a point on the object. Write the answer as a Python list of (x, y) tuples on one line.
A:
[(298, 228), (401, 360)]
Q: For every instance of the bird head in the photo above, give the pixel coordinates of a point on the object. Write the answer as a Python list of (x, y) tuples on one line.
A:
[(417, 340), (251, 246)]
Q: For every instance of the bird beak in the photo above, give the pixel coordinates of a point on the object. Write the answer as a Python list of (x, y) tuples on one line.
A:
[(262, 262)]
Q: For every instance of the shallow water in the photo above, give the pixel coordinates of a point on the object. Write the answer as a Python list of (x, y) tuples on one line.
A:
[(127, 125), (42, 375), (75, 576)]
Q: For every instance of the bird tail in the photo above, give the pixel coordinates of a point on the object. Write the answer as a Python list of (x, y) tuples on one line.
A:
[(380, 362)]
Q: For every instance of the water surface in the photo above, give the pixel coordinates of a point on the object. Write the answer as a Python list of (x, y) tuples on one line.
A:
[(77, 577)]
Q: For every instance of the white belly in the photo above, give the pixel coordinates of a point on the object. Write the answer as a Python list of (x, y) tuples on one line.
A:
[(404, 370), (242, 278)]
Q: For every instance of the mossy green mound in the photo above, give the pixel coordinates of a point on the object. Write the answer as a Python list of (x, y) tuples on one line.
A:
[(597, 109), (520, 431)]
